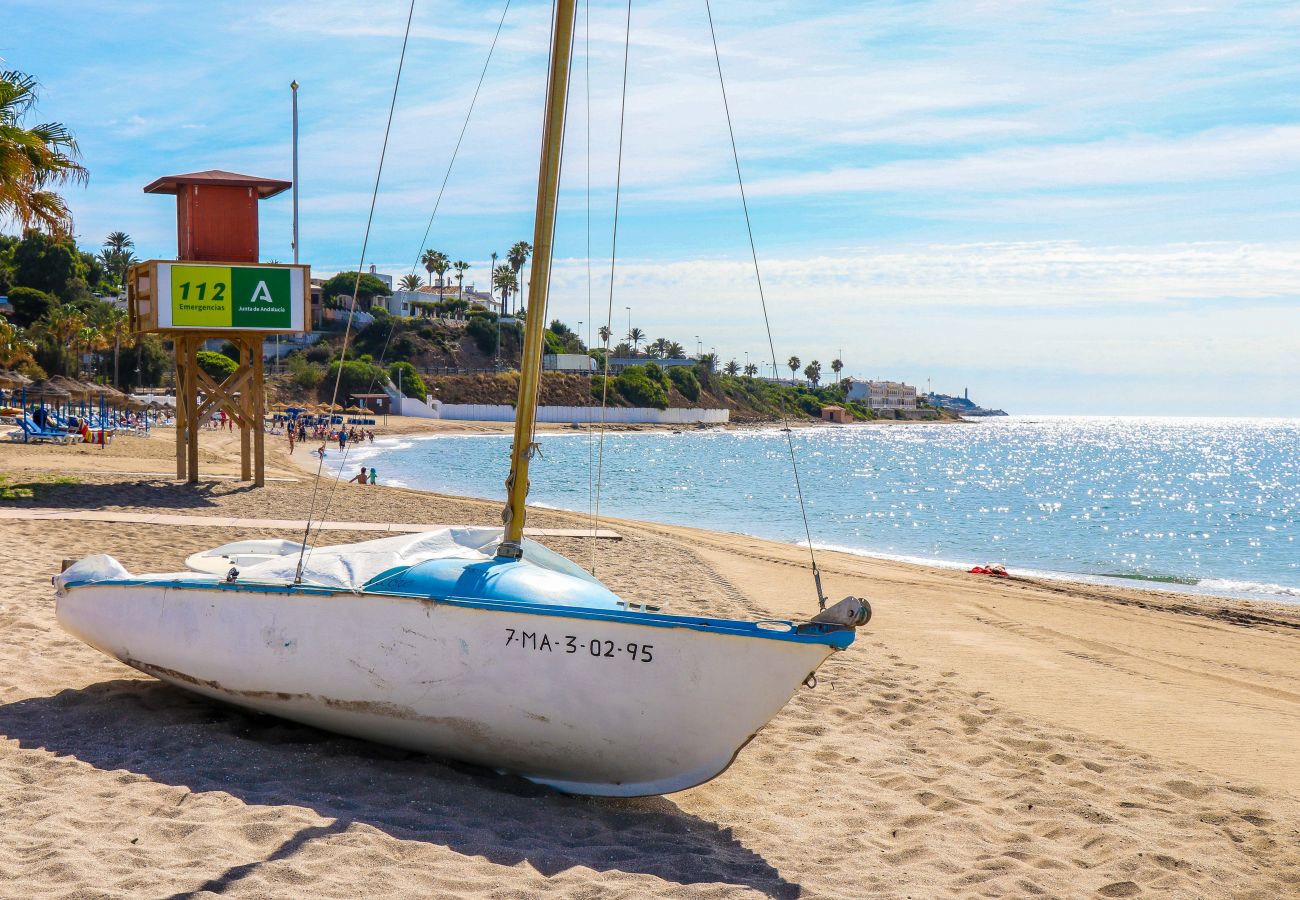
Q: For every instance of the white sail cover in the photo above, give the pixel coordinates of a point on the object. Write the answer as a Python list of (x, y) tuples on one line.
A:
[(350, 566)]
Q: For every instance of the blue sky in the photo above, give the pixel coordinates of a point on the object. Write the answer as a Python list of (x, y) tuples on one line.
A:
[(1066, 207)]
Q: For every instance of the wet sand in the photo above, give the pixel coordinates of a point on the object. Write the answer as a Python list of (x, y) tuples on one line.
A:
[(981, 738)]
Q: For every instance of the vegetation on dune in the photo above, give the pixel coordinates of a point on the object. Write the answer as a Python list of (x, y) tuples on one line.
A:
[(404, 374), (354, 376), (218, 366)]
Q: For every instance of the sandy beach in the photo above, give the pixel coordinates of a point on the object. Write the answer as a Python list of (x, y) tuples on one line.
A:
[(982, 738)]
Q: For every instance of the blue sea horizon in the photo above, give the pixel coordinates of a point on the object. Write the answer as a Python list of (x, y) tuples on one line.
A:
[(1201, 505)]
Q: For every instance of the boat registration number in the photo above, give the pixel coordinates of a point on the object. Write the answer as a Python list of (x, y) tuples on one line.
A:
[(572, 643)]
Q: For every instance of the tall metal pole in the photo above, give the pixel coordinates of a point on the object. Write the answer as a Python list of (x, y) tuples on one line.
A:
[(293, 86), (548, 191), (293, 89)]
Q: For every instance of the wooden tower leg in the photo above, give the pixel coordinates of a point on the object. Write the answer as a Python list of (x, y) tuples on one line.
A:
[(192, 363), (182, 405), (245, 432), (257, 396)]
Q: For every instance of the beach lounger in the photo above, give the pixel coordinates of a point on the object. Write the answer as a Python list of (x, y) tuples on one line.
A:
[(30, 431)]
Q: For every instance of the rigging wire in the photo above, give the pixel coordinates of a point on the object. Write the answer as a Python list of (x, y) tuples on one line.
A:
[(758, 278), (591, 470), (464, 126), (352, 309), (613, 257)]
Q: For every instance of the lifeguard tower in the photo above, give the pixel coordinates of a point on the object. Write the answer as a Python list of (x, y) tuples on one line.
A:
[(216, 289)]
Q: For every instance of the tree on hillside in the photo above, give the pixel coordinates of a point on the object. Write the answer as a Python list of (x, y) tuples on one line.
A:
[(636, 336), (58, 331), (751, 370), (30, 305), (15, 348), (368, 287), (34, 160), (461, 268), (837, 366), (813, 372), (49, 263), (114, 324), (441, 263), (504, 280), (218, 366), (732, 367), (435, 261), (518, 257), (410, 282), (793, 364), (605, 333)]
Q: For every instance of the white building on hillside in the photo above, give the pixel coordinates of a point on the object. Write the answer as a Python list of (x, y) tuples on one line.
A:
[(883, 394)]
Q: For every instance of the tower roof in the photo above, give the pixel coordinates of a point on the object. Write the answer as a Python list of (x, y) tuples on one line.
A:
[(266, 187)]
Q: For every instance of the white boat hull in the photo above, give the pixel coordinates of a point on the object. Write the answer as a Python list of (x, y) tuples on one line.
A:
[(593, 704)]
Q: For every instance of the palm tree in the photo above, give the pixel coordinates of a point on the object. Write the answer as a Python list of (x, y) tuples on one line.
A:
[(119, 241), (60, 328), (14, 348), (837, 366), (410, 282), (518, 256), (793, 364), (461, 268), (503, 278), (659, 347), (492, 274), (813, 371), (112, 324), (32, 160), (636, 336), (676, 351), (90, 338), (623, 349), (441, 263), (732, 367), (605, 333), (430, 260), (117, 261), (709, 361), (751, 369)]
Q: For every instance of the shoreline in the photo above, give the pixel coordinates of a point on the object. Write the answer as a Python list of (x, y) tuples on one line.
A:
[(1118, 582)]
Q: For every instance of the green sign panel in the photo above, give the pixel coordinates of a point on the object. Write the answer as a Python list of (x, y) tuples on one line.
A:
[(255, 298)]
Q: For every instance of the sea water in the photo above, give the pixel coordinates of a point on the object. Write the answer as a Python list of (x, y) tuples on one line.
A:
[(1203, 505)]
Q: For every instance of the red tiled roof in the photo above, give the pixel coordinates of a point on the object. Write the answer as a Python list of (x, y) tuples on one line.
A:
[(266, 187)]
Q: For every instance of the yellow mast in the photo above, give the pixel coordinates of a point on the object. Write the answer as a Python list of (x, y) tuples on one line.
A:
[(530, 367)]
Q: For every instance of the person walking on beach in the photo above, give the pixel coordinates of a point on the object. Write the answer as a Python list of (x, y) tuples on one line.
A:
[(361, 476), (291, 434), (343, 439)]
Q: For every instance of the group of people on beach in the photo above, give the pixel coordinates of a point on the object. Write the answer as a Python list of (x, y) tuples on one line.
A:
[(327, 435)]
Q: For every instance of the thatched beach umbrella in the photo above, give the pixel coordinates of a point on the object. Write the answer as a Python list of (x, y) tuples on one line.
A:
[(46, 389), (71, 387), (10, 380)]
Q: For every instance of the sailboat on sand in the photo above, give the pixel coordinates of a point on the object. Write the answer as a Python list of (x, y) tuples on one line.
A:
[(474, 644)]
